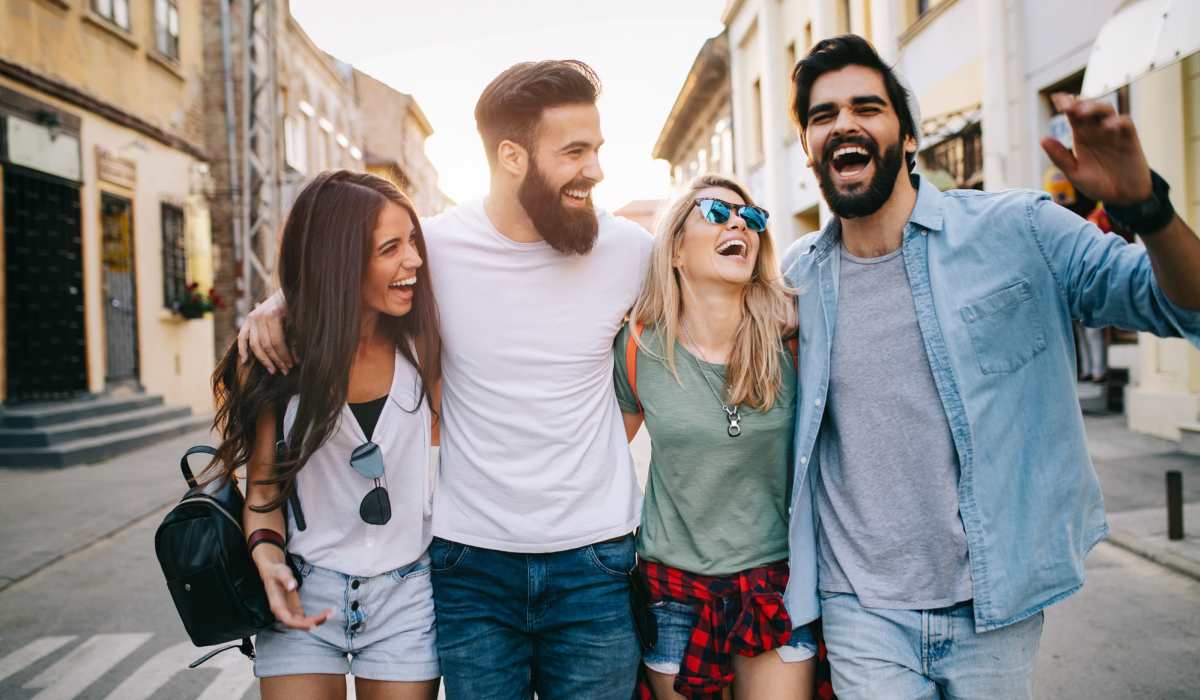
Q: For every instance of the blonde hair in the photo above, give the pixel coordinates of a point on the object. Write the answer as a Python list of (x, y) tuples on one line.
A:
[(753, 374)]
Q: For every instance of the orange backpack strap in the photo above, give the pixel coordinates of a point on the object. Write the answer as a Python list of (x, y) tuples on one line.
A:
[(794, 346), (631, 352)]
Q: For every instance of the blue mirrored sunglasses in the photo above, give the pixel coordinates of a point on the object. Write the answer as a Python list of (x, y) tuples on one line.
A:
[(717, 211)]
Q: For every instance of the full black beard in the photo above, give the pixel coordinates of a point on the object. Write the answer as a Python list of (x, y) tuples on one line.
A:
[(567, 231), (868, 200)]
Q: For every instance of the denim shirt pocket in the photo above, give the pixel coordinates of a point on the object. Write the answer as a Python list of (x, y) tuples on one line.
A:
[(1006, 328)]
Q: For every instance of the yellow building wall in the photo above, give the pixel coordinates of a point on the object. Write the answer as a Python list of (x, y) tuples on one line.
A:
[(175, 357), (68, 42), (1166, 107)]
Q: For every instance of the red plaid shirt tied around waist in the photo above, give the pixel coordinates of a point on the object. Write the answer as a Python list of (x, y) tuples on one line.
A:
[(738, 614)]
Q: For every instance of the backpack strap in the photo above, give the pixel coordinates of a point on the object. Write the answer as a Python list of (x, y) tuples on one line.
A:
[(183, 462), (794, 346), (631, 353), (280, 454)]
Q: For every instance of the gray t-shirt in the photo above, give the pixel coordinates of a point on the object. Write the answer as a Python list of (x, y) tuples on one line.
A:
[(889, 530)]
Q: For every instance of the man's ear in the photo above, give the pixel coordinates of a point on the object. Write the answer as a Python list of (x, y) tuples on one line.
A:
[(804, 145), (910, 145), (512, 157)]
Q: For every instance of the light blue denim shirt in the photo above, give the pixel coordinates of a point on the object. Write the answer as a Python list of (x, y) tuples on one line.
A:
[(996, 279)]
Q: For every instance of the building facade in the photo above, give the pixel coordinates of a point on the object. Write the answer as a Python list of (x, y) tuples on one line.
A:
[(105, 200), (697, 137), (300, 118), (766, 38), (395, 131), (983, 72), (322, 115), (1010, 57)]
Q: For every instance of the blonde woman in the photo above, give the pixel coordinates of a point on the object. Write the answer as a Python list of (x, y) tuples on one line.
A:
[(704, 364)]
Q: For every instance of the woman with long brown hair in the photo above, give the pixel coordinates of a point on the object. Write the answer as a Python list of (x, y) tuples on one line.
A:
[(339, 516), (703, 362)]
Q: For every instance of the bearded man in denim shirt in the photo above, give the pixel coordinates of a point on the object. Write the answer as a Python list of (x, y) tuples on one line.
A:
[(941, 462)]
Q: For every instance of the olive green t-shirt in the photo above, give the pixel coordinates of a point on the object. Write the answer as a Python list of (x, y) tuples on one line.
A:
[(715, 504)]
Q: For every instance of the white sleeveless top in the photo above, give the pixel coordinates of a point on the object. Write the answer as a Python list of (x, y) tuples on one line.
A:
[(331, 490)]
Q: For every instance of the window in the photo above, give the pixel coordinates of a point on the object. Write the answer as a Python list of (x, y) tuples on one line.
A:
[(759, 150), (115, 11), (961, 157), (295, 144), (174, 257), (166, 28)]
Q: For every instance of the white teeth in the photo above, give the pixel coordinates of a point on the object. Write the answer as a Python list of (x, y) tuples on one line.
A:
[(404, 283), (730, 244), (847, 150), (577, 194)]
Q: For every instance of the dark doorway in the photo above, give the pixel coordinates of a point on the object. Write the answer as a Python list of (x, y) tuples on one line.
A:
[(120, 293), (44, 338)]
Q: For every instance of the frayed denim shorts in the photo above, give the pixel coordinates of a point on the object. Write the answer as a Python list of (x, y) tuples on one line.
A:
[(675, 623), (382, 627)]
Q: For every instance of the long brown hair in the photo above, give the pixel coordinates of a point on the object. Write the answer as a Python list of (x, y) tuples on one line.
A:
[(753, 375), (326, 247)]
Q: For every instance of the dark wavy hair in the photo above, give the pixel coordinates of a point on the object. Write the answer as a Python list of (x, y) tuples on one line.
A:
[(834, 54), (326, 247), (510, 107)]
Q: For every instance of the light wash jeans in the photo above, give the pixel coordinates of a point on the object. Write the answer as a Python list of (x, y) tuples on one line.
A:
[(909, 654)]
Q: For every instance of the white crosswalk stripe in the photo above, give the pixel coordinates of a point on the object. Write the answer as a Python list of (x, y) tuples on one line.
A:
[(227, 676), (26, 655), (234, 680), (85, 663)]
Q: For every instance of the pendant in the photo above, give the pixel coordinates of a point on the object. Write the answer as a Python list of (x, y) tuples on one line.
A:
[(735, 420)]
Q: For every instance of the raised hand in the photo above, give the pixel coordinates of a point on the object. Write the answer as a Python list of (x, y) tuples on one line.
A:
[(1107, 162)]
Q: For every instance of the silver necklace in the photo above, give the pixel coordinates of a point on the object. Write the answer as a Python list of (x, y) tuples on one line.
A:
[(731, 413)]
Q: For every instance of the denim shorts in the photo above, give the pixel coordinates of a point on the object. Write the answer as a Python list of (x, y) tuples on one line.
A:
[(675, 623), (382, 627)]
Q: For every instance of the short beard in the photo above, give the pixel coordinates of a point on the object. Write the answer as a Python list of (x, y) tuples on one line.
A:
[(567, 231), (868, 200)]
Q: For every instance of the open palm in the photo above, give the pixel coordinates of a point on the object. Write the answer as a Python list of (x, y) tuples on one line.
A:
[(1107, 162)]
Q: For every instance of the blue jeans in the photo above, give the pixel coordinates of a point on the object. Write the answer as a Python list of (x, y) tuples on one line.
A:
[(911, 654), (557, 624)]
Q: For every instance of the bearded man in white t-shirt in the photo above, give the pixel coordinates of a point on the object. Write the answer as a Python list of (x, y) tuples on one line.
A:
[(537, 494)]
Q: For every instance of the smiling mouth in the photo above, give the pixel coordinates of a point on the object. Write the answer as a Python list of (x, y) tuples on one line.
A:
[(404, 285), (576, 195), (850, 160), (733, 248)]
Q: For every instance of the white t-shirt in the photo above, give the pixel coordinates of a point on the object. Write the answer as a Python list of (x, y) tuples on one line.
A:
[(331, 491), (534, 456)]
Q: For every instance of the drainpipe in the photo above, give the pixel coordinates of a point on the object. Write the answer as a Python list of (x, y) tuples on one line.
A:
[(231, 145)]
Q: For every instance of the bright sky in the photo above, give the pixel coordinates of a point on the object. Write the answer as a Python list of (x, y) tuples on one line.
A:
[(445, 52)]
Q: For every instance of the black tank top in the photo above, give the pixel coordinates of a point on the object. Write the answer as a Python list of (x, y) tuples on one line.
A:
[(367, 414)]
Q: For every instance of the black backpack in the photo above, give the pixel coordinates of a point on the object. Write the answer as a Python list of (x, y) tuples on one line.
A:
[(202, 550), (201, 547)]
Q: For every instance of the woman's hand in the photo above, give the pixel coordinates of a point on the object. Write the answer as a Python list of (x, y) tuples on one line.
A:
[(283, 593), (261, 336)]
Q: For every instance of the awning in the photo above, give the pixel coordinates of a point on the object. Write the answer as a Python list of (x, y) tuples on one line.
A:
[(1143, 35), (937, 129)]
